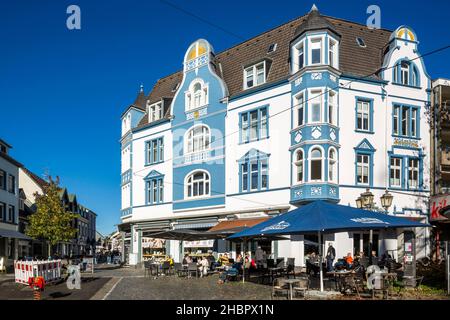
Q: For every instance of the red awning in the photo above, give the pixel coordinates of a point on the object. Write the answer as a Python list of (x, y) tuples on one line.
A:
[(236, 224)]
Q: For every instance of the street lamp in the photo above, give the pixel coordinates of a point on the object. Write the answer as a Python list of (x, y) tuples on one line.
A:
[(386, 200), (367, 199), (359, 203)]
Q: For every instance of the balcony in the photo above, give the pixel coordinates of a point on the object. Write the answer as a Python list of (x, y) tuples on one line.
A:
[(316, 191), (312, 132), (203, 156)]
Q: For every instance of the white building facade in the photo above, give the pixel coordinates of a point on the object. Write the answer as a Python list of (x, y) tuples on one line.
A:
[(316, 109)]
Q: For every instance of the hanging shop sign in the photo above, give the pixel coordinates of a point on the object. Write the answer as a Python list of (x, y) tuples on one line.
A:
[(437, 203), (199, 244)]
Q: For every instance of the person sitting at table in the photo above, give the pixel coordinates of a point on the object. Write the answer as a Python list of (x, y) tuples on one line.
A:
[(311, 264), (349, 260), (203, 265), (239, 258), (170, 260), (225, 259), (187, 259)]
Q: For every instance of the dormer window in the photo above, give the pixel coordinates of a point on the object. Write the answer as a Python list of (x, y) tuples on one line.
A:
[(316, 51), (156, 111), (197, 95), (301, 55), (255, 75)]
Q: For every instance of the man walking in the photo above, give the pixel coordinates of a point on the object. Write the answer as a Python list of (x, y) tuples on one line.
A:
[(331, 254)]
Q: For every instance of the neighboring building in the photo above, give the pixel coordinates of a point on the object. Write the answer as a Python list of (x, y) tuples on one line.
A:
[(319, 108), (9, 205), (440, 161), (84, 242)]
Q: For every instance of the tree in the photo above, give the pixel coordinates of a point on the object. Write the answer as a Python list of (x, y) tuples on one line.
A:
[(51, 221)]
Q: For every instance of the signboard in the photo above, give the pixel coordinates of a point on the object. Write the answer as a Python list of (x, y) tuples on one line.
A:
[(153, 243), (199, 244), (406, 143), (436, 204)]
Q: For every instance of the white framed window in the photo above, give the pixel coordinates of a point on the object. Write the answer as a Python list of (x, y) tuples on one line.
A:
[(333, 53), (332, 108), (316, 164), (316, 51), (396, 117), (255, 75), (244, 177), (362, 168), (299, 166), (395, 172), (332, 165), (156, 111), (316, 106), (197, 95), (363, 115), (298, 59), (413, 123), (198, 139), (405, 121), (413, 173), (197, 185), (254, 125), (299, 115), (404, 73)]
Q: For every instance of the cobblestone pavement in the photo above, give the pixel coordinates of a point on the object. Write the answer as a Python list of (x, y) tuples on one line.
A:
[(9, 290), (174, 288)]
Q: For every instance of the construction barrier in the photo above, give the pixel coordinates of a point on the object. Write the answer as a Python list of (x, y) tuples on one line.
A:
[(50, 270)]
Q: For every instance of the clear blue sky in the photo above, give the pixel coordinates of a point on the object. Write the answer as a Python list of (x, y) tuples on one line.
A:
[(62, 92)]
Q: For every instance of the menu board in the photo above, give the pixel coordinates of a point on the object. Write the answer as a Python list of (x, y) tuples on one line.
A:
[(199, 244)]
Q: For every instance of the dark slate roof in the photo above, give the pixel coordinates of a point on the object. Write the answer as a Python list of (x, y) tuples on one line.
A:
[(10, 159), (40, 182), (353, 59), (314, 21)]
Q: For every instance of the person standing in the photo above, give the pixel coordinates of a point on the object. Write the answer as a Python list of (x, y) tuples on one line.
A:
[(259, 257), (331, 254)]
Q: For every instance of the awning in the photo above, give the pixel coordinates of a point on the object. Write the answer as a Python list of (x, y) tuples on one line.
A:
[(201, 225), (236, 225), (13, 234)]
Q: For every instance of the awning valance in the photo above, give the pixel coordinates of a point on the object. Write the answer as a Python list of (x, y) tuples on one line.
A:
[(13, 234)]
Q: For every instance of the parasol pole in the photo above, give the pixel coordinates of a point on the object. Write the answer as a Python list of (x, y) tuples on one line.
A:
[(320, 262), (243, 265)]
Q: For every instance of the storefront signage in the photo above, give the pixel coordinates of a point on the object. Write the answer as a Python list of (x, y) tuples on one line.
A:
[(199, 244), (436, 204), (369, 220), (153, 243), (406, 143)]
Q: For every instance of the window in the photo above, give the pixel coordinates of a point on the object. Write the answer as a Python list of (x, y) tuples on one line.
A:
[(254, 125), (198, 139), (395, 172), (362, 168), (316, 164), (197, 95), (272, 48), (332, 165), (300, 109), (156, 111), (11, 214), (2, 211), (316, 106), (198, 185), (332, 108), (405, 121), (299, 166), (254, 174), (11, 184), (301, 56), (255, 75), (413, 173), (404, 73), (155, 190), (316, 51), (2, 180), (332, 53), (363, 113), (154, 151), (21, 204), (360, 42)]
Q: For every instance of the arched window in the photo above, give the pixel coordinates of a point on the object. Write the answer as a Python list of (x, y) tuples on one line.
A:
[(299, 166), (198, 139), (406, 73), (316, 164), (197, 95), (332, 165), (197, 184)]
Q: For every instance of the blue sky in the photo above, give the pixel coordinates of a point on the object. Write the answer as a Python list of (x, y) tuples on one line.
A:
[(62, 92)]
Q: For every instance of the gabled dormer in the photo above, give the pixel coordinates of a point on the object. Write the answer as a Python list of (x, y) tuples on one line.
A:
[(134, 113), (4, 147), (315, 43)]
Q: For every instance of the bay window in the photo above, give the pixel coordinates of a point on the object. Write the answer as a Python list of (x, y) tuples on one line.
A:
[(316, 106), (332, 165), (316, 164), (316, 51), (299, 166)]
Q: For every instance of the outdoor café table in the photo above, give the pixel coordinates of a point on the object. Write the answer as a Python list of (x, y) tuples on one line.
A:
[(273, 271), (344, 280), (290, 282)]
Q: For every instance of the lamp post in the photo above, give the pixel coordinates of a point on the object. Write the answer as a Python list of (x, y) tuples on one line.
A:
[(366, 201)]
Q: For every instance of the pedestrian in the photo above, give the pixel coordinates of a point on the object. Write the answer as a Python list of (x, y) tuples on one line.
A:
[(331, 254), (259, 257)]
